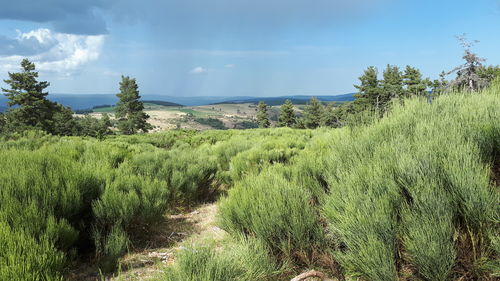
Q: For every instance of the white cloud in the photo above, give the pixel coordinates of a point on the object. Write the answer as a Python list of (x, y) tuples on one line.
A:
[(55, 52), (230, 65), (198, 70), (111, 73), (42, 35)]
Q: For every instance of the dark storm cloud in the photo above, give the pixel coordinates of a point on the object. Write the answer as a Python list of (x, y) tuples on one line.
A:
[(67, 16), (243, 24), (87, 16)]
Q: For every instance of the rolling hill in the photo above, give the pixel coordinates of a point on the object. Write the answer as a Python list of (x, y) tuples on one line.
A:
[(303, 99), (89, 101)]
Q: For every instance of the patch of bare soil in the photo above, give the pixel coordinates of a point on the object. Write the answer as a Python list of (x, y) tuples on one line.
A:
[(161, 248), (157, 247)]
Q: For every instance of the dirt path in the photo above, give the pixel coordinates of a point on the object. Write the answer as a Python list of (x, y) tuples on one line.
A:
[(160, 247)]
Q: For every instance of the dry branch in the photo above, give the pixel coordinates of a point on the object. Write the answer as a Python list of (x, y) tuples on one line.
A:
[(311, 274)]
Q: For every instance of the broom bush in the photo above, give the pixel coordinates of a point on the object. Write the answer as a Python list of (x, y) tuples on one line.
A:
[(409, 195)]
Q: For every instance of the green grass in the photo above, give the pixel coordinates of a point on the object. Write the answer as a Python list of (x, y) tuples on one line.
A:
[(195, 113)]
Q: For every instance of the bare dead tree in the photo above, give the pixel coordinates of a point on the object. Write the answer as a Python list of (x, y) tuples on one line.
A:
[(467, 73)]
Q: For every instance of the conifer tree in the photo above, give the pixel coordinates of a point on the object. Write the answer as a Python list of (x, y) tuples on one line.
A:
[(262, 115), (130, 110), (313, 113), (439, 86), (490, 72), (287, 115), (103, 126), (369, 89), (329, 117), (28, 94), (63, 122), (392, 84), (415, 85)]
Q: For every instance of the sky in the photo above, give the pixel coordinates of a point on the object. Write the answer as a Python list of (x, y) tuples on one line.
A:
[(238, 47)]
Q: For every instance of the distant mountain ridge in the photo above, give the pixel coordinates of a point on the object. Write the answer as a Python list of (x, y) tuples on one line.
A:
[(88, 101), (301, 99)]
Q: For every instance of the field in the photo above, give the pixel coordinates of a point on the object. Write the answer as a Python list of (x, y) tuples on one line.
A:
[(175, 117), (411, 196)]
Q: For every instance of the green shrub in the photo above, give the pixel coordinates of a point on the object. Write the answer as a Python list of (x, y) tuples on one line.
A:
[(111, 247), (428, 230), (211, 122), (410, 190), (188, 173), (24, 258), (242, 260), (361, 209), (417, 176), (130, 199), (275, 150), (274, 210)]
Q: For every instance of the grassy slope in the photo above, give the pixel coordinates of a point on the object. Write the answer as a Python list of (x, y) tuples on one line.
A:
[(408, 196)]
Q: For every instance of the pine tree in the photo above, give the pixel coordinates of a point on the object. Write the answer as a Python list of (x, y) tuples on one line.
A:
[(103, 126), (392, 84), (439, 86), (34, 110), (287, 115), (313, 113), (63, 122), (369, 89), (130, 110), (415, 85), (489, 73), (262, 115), (329, 117)]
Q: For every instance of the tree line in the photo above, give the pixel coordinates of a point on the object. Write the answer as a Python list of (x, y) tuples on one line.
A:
[(375, 95), (29, 109)]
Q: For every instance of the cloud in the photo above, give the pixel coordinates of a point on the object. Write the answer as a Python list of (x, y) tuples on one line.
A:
[(240, 15), (66, 16), (244, 10), (198, 70), (230, 65), (27, 44), (111, 73), (90, 17), (51, 51)]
